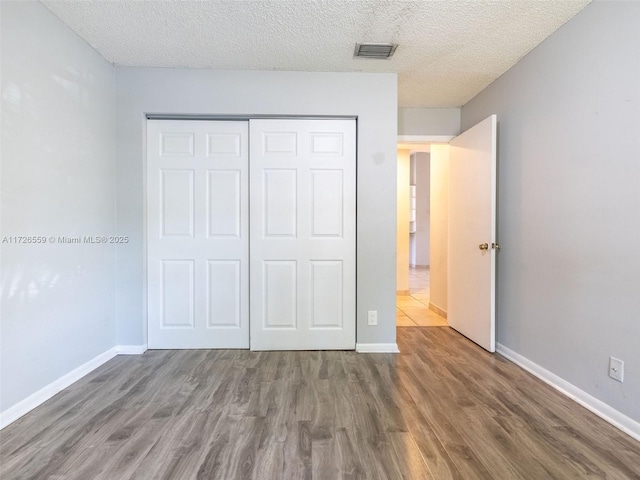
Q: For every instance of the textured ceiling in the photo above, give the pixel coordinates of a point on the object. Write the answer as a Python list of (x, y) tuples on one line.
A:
[(449, 50)]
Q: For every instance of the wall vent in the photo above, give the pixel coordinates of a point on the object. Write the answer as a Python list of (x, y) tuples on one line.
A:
[(374, 50)]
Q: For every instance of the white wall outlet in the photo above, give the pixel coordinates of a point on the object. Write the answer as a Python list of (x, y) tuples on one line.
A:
[(616, 369), (372, 317)]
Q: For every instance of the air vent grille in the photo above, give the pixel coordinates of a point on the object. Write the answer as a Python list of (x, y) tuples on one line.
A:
[(374, 50)]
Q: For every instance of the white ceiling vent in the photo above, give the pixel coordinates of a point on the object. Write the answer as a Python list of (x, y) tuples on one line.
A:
[(374, 50)]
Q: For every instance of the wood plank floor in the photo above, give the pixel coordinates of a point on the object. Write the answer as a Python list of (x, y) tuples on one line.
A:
[(442, 409)]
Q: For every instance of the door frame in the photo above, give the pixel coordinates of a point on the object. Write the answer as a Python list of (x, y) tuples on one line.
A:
[(145, 208)]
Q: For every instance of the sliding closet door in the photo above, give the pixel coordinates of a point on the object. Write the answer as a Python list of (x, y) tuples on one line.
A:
[(303, 225), (197, 234)]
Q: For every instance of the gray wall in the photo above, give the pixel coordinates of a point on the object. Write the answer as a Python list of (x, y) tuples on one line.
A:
[(184, 91), (428, 121), (58, 178), (569, 201)]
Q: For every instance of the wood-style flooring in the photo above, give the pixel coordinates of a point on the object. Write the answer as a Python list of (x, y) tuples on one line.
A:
[(441, 409)]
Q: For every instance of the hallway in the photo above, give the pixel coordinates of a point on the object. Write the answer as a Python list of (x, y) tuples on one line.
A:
[(413, 310)]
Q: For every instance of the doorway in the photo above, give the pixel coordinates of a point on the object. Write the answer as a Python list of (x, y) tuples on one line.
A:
[(251, 238), (468, 243), (416, 194)]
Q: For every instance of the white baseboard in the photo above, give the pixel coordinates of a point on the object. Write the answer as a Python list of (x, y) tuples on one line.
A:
[(131, 349), (440, 311), (601, 409), (377, 348), (38, 398)]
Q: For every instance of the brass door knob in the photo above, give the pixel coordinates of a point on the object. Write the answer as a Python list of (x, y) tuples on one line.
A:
[(495, 246), (483, 246)]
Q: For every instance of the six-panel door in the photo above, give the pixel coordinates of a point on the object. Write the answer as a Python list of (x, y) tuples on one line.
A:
[(302, 220), (301, 178), (197, 234)]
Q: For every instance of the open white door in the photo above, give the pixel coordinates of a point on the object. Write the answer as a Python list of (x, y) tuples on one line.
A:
[(197, 234), (303, 226), (472, 233)]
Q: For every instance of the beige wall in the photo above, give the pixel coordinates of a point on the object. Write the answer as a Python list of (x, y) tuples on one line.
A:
[(439, 200), (402, 257)]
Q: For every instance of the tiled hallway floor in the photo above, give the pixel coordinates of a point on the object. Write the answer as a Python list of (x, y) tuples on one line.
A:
[(413, 310)]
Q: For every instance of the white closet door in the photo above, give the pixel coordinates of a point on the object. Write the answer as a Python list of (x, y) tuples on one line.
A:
[(197, 229), (303, 225)]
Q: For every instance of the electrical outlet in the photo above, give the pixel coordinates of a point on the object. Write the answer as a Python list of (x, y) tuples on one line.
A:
[(616, 369), (372, 317)]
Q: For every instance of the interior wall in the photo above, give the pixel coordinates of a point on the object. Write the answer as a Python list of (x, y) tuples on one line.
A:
[(569, 201), (423, 214), (438, 234), (189, 91), (428, 121), (402, 242), (412, 210), (58, 180)]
